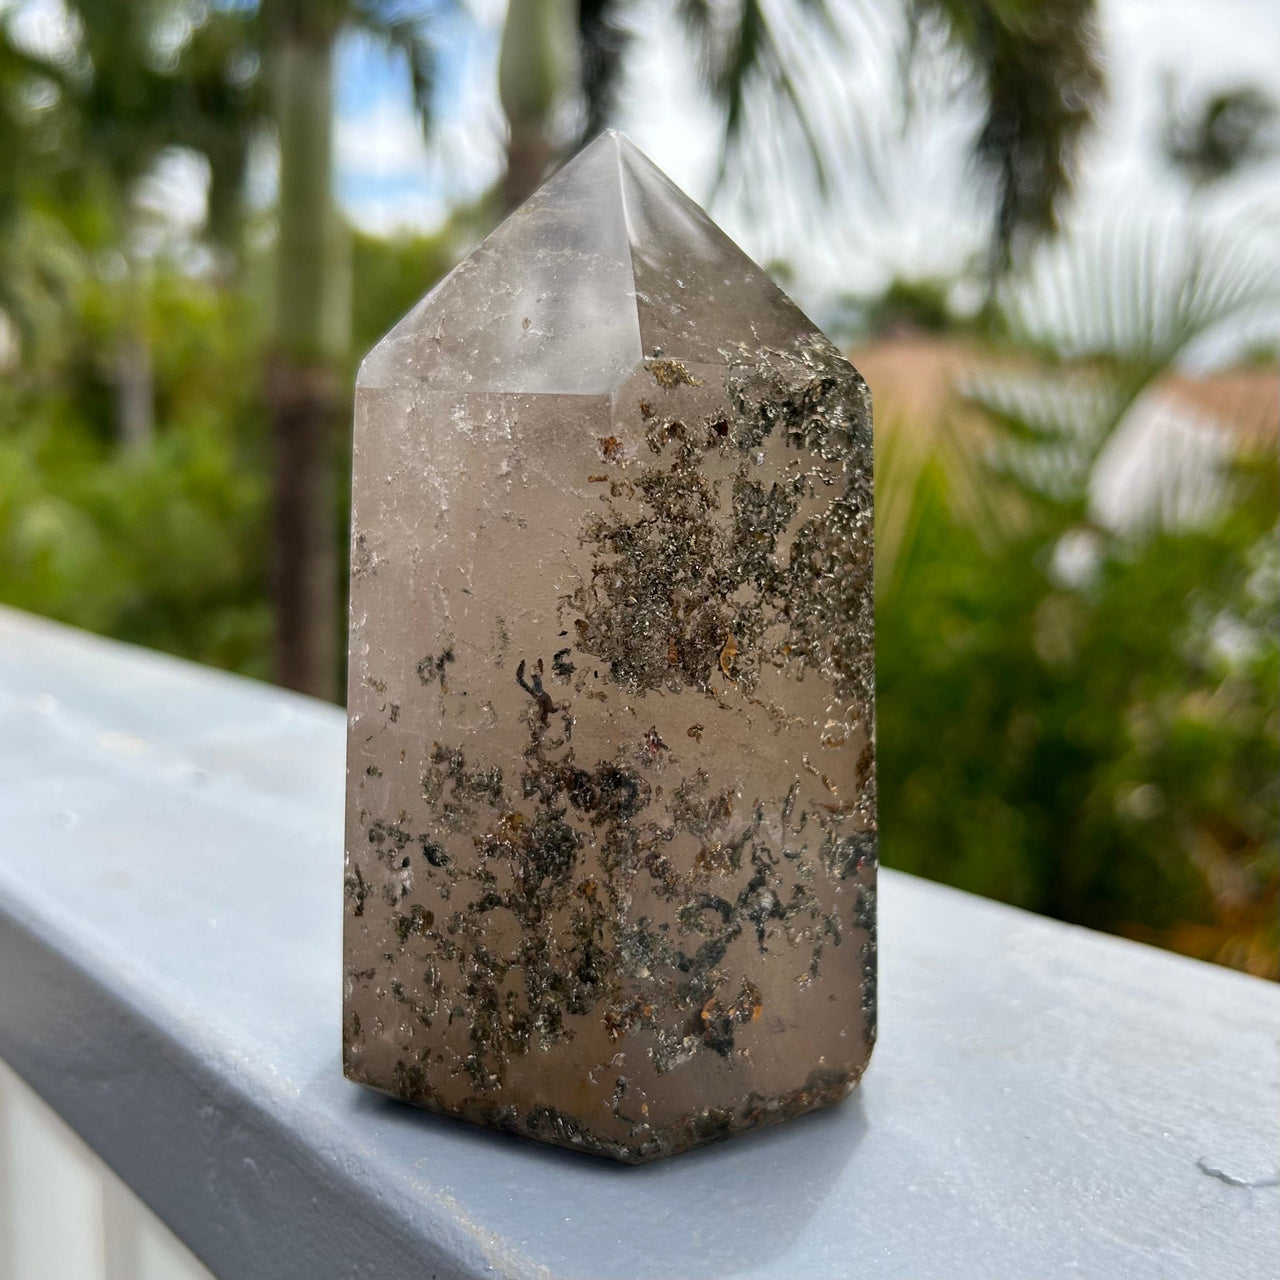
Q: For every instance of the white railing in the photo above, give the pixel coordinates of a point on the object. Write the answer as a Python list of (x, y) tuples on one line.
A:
[(1043, 1101), (63, 1214)]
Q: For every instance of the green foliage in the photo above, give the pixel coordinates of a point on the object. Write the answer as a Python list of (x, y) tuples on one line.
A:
[(1217, 136), (389, 278), (1079, 719), (1039, 68), (1098, 742), (164, 548), (164, 552), (167, 547), (1093, 752)]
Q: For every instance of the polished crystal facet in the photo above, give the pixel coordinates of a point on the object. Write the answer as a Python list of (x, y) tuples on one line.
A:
[(611, 843)]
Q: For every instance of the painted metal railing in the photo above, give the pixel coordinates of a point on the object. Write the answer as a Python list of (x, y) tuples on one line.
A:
[(1042, 1101), (63, 1214)]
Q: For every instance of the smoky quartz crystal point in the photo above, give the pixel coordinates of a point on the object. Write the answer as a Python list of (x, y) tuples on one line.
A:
[(611, 837)]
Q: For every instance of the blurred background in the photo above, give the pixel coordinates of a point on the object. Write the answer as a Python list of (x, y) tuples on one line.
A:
[(1045, 232)]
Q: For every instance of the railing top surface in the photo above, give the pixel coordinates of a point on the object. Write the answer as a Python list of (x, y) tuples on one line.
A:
[(1044, 1101)]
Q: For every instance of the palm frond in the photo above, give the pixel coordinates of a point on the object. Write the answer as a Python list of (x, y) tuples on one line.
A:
[(603, 41), (1144, 291), (918, 464), (1101, 317), (41, 268), (1039, 69), (738, 52), (408, 29)]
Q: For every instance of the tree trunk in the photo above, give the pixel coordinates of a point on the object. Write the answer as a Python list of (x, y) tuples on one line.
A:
[(537, 71), (311, 334), (529, 156), (132, 373), (304, 417), (135, 393)]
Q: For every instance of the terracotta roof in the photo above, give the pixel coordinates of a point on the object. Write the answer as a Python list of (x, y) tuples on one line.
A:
[(913, 378), (1247, 400)]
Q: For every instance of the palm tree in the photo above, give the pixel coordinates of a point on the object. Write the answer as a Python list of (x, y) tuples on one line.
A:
[(1217, 136), (537, 71), (124, 98), (312, 314), (116, 102), (1036, 67)]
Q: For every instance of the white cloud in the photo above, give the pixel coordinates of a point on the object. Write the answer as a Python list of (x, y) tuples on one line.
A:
[(382, 142)]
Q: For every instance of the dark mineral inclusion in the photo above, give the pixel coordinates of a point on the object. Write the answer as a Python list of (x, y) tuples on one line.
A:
[(611, 839)]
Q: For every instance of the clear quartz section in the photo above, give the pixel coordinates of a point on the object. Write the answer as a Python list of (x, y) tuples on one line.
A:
[(545, 304), (611, 841)]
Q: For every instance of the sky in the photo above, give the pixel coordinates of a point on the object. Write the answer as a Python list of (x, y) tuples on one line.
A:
[(903, 201), (905, 204)]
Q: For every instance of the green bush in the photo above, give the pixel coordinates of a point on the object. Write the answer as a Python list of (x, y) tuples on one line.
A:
[(1105, 753), (1100, 742), (163, 546)]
